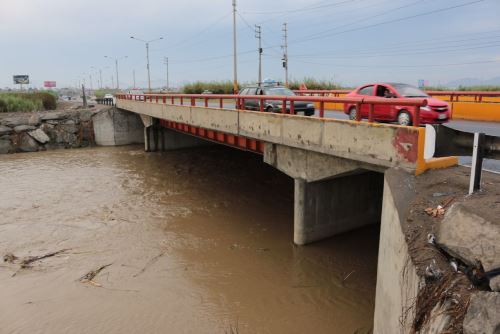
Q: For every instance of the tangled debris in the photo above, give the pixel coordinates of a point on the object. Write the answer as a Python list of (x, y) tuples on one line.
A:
[(89, 277), (26, 263)]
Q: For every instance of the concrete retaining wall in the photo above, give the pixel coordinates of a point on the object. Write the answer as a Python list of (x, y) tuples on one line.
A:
[(114, 127), (397, 280)]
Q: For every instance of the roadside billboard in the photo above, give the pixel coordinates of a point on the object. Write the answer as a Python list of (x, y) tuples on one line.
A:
[(21, 79), (49, 84)]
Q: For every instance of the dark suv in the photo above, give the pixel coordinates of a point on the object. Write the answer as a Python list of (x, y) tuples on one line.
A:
[(274, 105)]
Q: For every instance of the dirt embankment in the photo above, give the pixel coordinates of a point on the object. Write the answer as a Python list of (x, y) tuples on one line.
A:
[(453, 269)]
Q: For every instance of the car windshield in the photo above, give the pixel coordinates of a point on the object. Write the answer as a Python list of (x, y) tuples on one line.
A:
[(278, 91), (410, 91)]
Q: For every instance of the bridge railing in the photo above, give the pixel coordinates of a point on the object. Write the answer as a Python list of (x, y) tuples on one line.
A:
[(453, 96), (287, 102)]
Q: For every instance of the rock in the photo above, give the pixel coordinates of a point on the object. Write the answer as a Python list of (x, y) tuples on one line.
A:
[(53, 116), (71, 128), (21, 128), (39, 136), (5, 146), (27, 144), (13, 121), (34, 120), (483, 314), (470, 237), (5, 130), (86, 115)]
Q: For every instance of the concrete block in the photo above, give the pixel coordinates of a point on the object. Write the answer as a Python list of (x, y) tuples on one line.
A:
[(225, 120), (483, 314), (114, 127), (470, 237)]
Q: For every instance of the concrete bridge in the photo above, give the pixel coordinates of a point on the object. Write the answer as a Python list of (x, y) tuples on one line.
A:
[(338, 166)]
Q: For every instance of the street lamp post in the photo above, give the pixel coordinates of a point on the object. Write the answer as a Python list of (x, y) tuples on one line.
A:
[(147, 55), (116, 66)]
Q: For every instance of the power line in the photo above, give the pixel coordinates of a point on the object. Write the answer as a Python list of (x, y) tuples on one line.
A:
[(306, 39)]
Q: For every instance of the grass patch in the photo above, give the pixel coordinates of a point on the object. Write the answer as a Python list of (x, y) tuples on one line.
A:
[(22, 102)]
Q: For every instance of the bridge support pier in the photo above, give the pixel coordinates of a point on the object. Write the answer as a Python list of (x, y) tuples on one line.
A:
[(332, 195), (326, 208)]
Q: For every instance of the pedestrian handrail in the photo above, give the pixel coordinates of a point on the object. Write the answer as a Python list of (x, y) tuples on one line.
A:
[(288, 106)]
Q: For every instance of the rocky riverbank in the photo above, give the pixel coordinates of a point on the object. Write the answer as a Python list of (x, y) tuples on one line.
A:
[(452, 240), (39, 131)]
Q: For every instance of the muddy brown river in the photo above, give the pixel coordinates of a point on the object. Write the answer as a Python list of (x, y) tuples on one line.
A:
[(197, 241)]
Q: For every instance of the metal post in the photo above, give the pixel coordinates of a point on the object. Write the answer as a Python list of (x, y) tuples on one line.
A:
[(149, 74), (165, 61), (285, 52), (133, 74), (258, 35), (117, 80), (477, 162), (235, 67)]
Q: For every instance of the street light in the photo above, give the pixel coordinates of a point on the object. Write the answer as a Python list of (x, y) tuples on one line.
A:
[(147, 55), (116, 65)]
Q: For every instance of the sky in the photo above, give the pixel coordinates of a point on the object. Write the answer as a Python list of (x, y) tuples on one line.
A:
[(348, 41)]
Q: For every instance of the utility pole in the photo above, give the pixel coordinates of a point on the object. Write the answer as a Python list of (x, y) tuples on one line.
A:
[(112, 81), (116, 67), (133, 73), (258, 35), (147, 55), (91, 88), (285, 52), (165, 61), (235, 60), (100, 78)]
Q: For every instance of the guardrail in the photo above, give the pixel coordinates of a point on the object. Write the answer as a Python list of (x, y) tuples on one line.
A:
[(454, 96), (287, 105), (107, 101)]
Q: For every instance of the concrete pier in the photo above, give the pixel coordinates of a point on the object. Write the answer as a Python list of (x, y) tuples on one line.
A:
[(326, 208)]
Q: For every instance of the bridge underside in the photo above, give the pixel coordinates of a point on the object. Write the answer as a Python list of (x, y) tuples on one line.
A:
[(332, 195)]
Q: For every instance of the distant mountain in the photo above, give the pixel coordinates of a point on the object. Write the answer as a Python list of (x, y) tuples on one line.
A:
[(473, 82)]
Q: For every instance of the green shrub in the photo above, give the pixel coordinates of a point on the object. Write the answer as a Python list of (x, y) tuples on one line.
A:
[(315, 84), (216, 87), (19, 102)]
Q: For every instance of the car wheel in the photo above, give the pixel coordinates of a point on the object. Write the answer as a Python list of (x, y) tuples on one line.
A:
[(404, 118), (353, 114), (309, 113), (269, 109)]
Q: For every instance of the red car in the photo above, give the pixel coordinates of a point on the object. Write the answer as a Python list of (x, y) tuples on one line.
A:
[(436, 112)]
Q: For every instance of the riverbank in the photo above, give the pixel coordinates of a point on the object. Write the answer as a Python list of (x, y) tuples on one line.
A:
[(71, 127), (439, 255)]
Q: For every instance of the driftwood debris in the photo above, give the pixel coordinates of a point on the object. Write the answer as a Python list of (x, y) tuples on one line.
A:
[(89, 277), (26, 263)]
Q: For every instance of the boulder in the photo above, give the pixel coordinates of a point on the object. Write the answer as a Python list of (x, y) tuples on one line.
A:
[(52, 116), (5, 146), (483, 314), (22, 128), (39, 136), (5, 130), (14, 121), (34, 120), (27, 144), (470, 237)]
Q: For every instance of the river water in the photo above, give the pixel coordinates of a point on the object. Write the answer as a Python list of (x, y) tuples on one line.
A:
[(197, 241)]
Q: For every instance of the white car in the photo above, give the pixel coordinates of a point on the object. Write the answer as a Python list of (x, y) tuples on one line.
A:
[(108, 96)]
